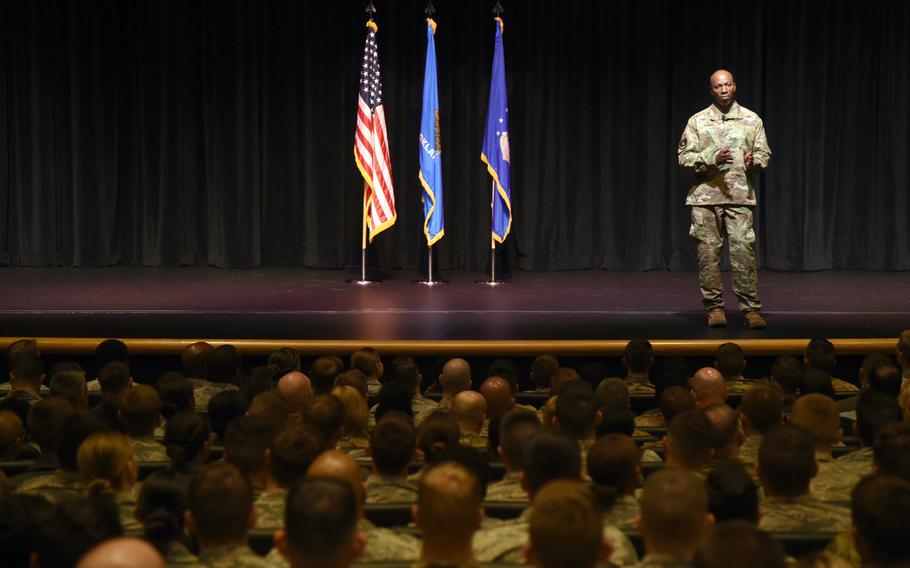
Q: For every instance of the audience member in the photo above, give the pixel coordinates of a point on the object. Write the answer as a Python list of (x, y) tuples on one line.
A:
[(187, 442), (271, 406), (44, 418), (23, 518), (742, 541), (12, 436), (368, 362), (297, 391), (817, 414), (761, 408), (404, 372), (289, 456), (517, 429), (820, 355), (140, 414), (690, 442), (708, 387), (469, 409), (816, 381), (498, 396), (176, 392), (614, 466), (730, 361), (393, 448), (122, 552), (787, 373), (448, 512), (543, 370), (326, 415), (113, 379), (732, 493), (71, 386), (79, 524), (903, 356), (25, 378), (638, 360), (356, 437), (874, 411), (193, 360), (880, 508), (223, 365), (454, 378), (283, 361), (565, 528), (892, 450), (436, 435), (245, 445), (323, 372), (354, 379), (109, 470), (563, 376), (223, 408), (727, 434), (675, 400)]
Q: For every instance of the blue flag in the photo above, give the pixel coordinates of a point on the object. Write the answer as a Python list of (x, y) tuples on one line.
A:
[(495, 153), (430, 174)]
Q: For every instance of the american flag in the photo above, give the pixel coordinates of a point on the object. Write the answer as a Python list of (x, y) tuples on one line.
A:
[(371, 150)]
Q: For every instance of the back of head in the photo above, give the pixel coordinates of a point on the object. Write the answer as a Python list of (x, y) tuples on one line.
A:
[(12, 435), (176, 393), (786, 461), (475, 460), (469, 407), (762, 405), (17, 406), (225, 407), (72, 431), (69, 385), (880, 507), (449, 502), (271, 406), (246, 441), (19, 348), (874, 411), (140, 410), (751, 547), (44, 417), (673, 372), (405, 372), (223, 364), (292, 452), (675, 400), (326, 415), (565, 526), (550, 456), (612, 394), (27, 369), (885, 379), (674, 508), (616, 422), (114, 377), (517, 429), (614, 462), (320, 522), (455, 376), (708, 387), (726, 426), (816, 381), (870, 361), (787, 371), (818, 415), (220, 501), (393, 443), (592, 372), (106, 463), (283, 361), (690, 439), (575, 410), (820, 355), (498, 395), (259, 380), (356, 413), (354, 379), (394, 398), (732, 494), (638, 355), (437, 433), (23, 517), (564, 376), (543, 369), (79, 523), (504, 368), (366, 361), (185, 437), (323, 372), (123, 552), (111, 350), (730, 360), (194, 357), (892, 450)]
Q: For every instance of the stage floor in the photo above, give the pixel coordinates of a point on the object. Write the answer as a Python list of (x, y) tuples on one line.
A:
[(296, 303)]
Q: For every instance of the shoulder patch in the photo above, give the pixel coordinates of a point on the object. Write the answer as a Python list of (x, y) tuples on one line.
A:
[(683, 143)]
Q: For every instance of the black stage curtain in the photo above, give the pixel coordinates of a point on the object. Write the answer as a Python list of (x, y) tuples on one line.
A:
[(175, 132)]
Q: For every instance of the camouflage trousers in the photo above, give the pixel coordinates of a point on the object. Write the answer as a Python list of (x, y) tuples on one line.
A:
[(708, 225)]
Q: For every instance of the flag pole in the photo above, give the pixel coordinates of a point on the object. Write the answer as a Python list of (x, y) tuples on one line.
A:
[(492, 237)]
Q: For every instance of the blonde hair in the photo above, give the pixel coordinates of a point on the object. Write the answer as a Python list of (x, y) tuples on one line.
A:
[(106, 462), (818, 415), (356, 413)]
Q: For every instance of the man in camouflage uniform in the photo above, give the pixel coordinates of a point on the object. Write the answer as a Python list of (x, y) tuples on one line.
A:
[(140, 414), (517, 429), (393, 448), (722, 144), (565, 527), (292, 451)]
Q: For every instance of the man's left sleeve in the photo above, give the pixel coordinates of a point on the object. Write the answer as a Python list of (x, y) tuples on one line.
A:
[(761, 152)]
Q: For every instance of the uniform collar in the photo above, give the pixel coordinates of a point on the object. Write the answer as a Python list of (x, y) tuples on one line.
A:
[(716, 113)]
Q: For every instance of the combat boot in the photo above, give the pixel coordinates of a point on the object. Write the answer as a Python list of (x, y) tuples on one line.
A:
[(754, 321), (716, 318)]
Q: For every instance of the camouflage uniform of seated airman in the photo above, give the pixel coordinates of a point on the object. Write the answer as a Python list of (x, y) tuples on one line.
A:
[(473, 440), (270, 509), (204, 390), (651, 418), (623, 513), (507, 490), (53, 486), (802, 514), (832, 483), (738, 385), (383, 546), (748, 451), (639, 388), (178, 555), (382, 489), (233, 556), (662, 561), (354, 446), (147, 450), (126, 509)]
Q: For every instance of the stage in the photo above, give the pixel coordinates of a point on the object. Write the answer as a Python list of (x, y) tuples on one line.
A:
[(296, 303)]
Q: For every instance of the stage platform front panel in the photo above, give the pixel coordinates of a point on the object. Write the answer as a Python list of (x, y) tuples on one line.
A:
[(296, 303)]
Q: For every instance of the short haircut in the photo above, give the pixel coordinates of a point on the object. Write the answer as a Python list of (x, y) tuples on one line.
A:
[(516, 430), (575, 410), (259, 380), (550, 456), (751, 547), (114, 377), (246, 440), (79, 523), (355, 379), (356, 413), (818, 415), (691, 438), (221, 499), (111, 350), (223, 363), (19, 348), (674, 506), (763, 406), (674, 400), (566, 526), (292, 452), (543, 369), (616, 422), (365, 360), (284, 360), (892, 450), (225, 407), (886, 379), (787, 371), (880, 506), (404, 372), (816, 381), (614, 463), (69, 385), (323, 372), (320, 519), (394, 398), (872, 360), (270, 405), (72, 431), (12, 430), (176, 393), (325, 414), (725, 423), (504, 368), (730, 360), (874, 411), (437, 433), (194, 357), (612, 394), (393, 443), (732, 493), (820, 354), (449, 499), (185, 436), (44, 417), (28, 367), (140, 409), (638, 354), (564, 376), (786, 460)]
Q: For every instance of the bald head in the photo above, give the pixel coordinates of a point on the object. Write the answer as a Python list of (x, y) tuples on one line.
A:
[(193, 359), (723, 88), (338, 465), (708, 387), (469, 409), (126, 552), (720, 74), (498, 395), (296, 390), (455, 377), (449, 503)]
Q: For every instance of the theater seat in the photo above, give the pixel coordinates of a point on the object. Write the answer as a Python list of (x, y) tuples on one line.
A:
[(261, 541), (389, 514), (501, 510), (12, 468)]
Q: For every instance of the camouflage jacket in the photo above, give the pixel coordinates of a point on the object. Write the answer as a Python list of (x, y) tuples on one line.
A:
[(126, 508), (638, 387), (843, 546), (748, 451), (832, 483), (856, 464), (708, 132), (738, 385), (662, 561), (508, 490), (147, 450), (802, 514), (53, 486), (652, 418), (383, 546), (233, 556), (179, 555), (354, 446), (270, 509), (473, 440), (204, 390), (382, 489), (623, 513)]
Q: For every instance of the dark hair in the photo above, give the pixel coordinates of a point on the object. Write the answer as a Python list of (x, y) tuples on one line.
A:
[(365, 361), (892, 450), (675, 400), (28, 367), (160, 509), (140, 410), (176, 393), (616, 421), (79, 524), (874, 411), (732, 494), (225, 407), (23, 517), (320, 518), (880, 507), (72, 431), (394, 398), (751, 547), (292, 452), (283, 361), (19, 348), (194, 357), (763, 406), (730, 360), (592, 372), (113, 377), (787, 371), (820, 354), (69, 385), (44, 417), (17, 406), (504, 368), (405, 372), (260, 380), (246, 441), (786, 459), (638, 354), (221, 500), (472, 459), (886, 379), (575, 410), (543, 369), (550, 456), (111, 350), (816, 381), (691, 438), (437, 433), (223, 363), (325, 414), (613, 465), (393, 443), (323, 372), (185, 435)]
